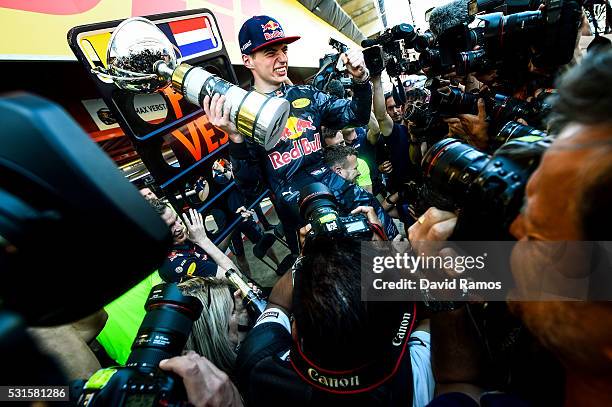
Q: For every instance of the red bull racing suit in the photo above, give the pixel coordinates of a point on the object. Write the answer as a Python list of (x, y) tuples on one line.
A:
[(287, 167)]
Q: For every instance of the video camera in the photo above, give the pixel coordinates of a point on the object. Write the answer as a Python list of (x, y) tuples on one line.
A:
[(546, 38), (486, 190), (389, 50), (329, 68), (162, 335), (318, 207)]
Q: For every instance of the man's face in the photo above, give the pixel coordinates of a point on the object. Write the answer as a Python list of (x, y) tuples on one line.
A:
[(334, 141), (350, 136), (396, 112), (148, 194), (177, 227), (349, 171), (269, 64), (550, 214)]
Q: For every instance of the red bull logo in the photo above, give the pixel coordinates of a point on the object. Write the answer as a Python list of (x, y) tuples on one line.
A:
[(300, 148), (275, 28), (270, 26), (295, 127)]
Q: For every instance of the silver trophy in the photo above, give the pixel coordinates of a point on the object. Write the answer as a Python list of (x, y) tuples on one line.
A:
[(141, 59)]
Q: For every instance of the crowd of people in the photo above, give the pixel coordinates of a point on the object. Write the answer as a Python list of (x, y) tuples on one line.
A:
[(317, 342)]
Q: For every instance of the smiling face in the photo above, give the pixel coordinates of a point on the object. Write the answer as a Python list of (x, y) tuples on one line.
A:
[(269, 66), (177, 227)]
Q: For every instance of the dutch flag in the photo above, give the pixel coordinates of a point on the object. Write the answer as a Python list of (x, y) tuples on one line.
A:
[(193, 36)]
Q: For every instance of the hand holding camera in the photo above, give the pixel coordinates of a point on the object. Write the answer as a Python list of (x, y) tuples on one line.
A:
[(205, 384)]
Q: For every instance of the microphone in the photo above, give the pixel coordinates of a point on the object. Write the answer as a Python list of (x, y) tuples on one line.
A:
[(367, 43), (448, 16)]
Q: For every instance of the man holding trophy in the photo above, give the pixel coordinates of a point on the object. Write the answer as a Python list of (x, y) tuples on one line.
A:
[(286, 166)]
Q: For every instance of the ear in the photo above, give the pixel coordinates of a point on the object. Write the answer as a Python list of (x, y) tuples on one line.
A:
[(247, 60), (338, 170)]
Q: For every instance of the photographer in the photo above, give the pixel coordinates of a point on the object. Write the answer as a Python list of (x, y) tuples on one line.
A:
[(333, 138), (318, 357), (577, 168), (284, 169), (395, 135)]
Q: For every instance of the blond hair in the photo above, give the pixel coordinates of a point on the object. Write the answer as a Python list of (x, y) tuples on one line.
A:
[(210, 334)]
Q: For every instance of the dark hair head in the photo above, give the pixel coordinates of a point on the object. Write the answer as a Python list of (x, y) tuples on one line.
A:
[(388, 95), (335, 88), (334, 326), (326, 132), (336, 155), (159, 206), (584, 94)]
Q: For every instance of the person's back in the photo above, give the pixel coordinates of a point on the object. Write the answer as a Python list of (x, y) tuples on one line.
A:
[(344, 351)]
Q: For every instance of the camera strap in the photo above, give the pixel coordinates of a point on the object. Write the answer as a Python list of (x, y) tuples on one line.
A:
[(363, 378)]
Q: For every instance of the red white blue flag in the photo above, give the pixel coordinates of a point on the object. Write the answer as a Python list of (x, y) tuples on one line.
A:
[(192, 36)]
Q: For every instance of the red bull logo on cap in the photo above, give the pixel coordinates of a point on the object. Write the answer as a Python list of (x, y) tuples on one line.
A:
[(275, 28), (270, 26)]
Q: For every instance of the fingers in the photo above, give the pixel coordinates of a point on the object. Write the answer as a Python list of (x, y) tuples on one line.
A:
[(226, 110), (355, 57), (369, 212), (522, 121), (303, 232), (452, 120), (206, 106), (482, 113), (186, 220), (219, 105), (433, 225)]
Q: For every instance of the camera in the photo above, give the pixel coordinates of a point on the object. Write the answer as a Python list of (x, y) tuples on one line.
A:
[(497, 40), (318, 207), (328, 68), (451, 101), (486, 190), (162, 334), (388, 51)]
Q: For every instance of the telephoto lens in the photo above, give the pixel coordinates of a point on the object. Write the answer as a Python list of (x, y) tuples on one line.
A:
[(166, 326), (514, 131), (318, 207), (162, 335), (487, 190), (451, 101), (471, 61), (424, 41)]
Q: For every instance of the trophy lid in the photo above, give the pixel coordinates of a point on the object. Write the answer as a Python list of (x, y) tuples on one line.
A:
[(134, 48)]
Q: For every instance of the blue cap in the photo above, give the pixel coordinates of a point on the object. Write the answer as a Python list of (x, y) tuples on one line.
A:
[(260, 31)]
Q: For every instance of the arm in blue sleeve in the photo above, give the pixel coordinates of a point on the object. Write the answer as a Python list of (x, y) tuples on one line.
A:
[(340, 113)]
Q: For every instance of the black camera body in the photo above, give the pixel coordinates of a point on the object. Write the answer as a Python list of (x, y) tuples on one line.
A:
[(510, 41), (451, 101), (318, 207), (162, 334), (387, 51), (328, 68), (486, 190)]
